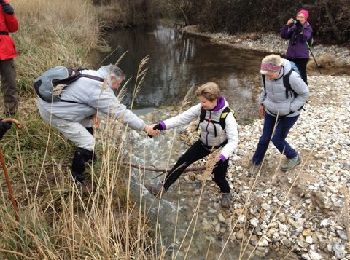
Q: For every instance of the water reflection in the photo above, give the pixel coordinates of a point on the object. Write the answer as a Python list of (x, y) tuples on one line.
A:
[(178, 61)]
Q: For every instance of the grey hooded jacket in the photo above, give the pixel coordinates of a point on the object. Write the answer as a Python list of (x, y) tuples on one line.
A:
[(273, 96), (90, 96)]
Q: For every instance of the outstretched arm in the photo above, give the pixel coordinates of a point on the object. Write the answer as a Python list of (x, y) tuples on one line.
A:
[(181, 119)]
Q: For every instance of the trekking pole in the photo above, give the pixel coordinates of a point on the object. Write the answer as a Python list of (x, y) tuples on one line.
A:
[(7, 178), (9, 185), (313, 56)]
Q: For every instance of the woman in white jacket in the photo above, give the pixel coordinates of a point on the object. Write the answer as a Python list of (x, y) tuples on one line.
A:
[(218, 130)]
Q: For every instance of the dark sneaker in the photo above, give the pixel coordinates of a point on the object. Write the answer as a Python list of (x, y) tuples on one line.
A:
[(155, 189), (253, 169), (291, 163), (226, 200)]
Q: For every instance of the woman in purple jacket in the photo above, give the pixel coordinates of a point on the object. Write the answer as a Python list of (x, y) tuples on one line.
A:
[(298, 32)]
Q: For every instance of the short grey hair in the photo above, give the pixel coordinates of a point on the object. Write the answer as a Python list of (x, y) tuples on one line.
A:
[(113, 69), (105, 71)]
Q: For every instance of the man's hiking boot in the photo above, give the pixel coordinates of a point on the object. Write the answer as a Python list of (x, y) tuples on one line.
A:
[(85, 187), (81, 157), (226, 200), (155, 189), (291, 163), (79, 177)]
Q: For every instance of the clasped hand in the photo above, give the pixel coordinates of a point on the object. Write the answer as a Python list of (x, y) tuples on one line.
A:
[(151, 131)]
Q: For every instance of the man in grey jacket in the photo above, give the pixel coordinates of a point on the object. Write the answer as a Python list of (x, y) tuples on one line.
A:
[(280, 106), (81, 100)]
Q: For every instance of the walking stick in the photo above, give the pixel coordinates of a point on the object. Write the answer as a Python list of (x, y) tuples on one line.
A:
[(7, 178), (313, 56), (163, 171), (9, 185)]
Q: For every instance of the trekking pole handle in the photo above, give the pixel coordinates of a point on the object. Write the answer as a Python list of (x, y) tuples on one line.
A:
[(12, 120)]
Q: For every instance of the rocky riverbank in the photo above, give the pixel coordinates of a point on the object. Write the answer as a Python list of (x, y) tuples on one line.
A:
[(332, 56), (305, 211)]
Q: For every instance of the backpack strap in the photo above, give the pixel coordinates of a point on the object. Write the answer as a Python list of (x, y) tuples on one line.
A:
[(223, 116), (287, 84), (221, 122), (201, 117), (92, 77), (263, 80), (76, 74)]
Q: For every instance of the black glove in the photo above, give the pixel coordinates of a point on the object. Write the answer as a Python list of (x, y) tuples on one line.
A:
[(7, 8), (4, 127), (157, 127)]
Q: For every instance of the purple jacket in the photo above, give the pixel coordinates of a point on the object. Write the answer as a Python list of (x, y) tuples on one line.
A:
[(297, 47)]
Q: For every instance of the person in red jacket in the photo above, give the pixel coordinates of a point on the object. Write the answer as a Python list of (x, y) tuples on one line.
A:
[(8, 24)]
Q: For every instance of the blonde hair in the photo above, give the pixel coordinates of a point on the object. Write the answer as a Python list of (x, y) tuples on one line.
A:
[(273, 59), (209, 90)]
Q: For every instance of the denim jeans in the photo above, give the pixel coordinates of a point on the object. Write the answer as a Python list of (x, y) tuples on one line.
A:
[(283, 126)]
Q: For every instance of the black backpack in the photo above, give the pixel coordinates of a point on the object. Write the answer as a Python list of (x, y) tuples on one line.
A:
[(221, 121), (286, 84), (56, 79)]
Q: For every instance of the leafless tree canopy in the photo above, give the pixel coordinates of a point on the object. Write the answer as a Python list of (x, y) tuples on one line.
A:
[(330, 19)]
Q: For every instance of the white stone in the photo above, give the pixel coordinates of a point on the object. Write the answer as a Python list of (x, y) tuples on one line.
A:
[(315, 256), (241, 219), (309, 240), (254, 222)]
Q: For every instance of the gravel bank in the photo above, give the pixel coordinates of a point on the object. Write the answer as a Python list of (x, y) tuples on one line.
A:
[(305, 211), (326, 56)]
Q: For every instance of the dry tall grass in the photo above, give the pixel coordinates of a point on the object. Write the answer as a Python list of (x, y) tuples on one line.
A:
[(53, 33), (56, 220)]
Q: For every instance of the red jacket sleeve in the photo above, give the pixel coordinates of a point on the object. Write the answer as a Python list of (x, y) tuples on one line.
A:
[(11, 22)]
